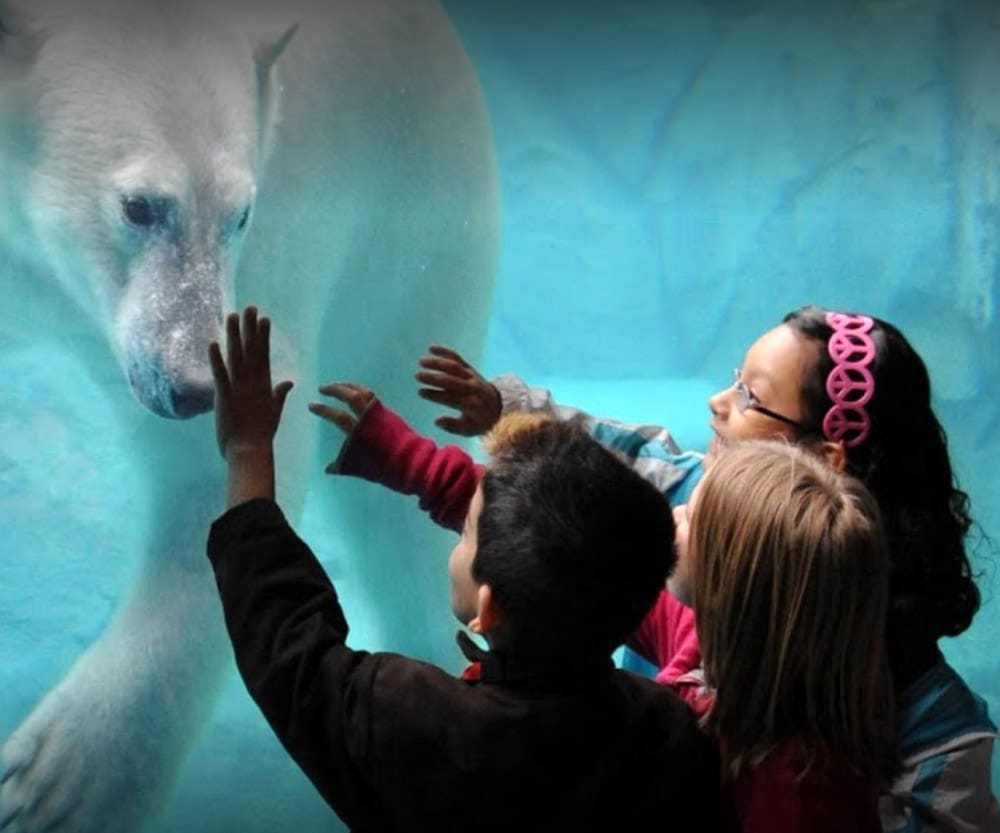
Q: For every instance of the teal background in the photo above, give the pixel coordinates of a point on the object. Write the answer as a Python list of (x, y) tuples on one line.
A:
[(675, 177)]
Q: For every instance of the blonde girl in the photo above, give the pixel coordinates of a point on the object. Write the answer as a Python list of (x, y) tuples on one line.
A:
[(786, 565)]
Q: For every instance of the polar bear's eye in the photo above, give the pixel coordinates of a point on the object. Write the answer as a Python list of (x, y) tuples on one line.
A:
[(138, 211)]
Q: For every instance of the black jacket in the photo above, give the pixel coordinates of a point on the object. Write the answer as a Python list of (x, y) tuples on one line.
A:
[(395, 744)]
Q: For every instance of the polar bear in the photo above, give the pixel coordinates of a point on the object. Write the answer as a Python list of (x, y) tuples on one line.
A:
[(160, 165)]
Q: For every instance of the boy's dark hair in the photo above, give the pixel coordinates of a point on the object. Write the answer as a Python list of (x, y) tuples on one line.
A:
[(905, 464), (573, 543)]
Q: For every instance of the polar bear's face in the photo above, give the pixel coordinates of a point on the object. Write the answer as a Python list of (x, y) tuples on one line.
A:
[(168, 274), (143, 185)]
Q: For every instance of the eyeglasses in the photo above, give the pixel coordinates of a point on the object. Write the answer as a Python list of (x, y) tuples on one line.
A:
[(747, 400)]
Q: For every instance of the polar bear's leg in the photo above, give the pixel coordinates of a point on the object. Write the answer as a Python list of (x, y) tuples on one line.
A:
[(97, 755), (100, 750)]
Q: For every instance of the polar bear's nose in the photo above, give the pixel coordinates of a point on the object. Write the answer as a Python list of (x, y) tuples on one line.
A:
[(171, 396), (192, 399)]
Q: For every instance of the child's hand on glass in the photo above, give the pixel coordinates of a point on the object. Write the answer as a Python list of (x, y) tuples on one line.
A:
[(247, 407), (356, 397), (453, 382)]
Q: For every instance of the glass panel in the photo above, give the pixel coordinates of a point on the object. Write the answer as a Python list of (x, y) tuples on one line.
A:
[(674, 177)]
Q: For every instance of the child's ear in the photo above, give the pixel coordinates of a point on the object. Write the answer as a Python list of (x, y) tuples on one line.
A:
[(835, 454), (488, 615)]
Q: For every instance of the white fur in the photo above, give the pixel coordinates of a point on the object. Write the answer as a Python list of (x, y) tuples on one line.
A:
[(364, 162)]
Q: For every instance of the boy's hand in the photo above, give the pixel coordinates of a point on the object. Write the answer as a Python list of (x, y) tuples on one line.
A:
[(356, 397), (247, 407), (455, 383)]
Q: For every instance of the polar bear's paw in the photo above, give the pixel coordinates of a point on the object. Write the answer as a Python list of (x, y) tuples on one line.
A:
[(68, 769), (97, 755), (40, 789)]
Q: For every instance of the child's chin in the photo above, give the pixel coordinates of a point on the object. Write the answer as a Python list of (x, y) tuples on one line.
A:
[(714, 447)]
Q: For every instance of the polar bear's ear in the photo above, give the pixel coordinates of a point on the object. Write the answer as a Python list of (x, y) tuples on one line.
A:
[(265, 57), (266, 54), (19, 39)]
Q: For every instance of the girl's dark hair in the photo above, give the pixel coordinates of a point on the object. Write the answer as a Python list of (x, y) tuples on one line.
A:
[(905, 464)]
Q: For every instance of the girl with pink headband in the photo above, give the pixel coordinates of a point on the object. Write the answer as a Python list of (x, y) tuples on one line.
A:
[(847, 387)]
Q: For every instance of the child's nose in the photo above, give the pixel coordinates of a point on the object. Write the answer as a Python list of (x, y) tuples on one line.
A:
[(720, 402)]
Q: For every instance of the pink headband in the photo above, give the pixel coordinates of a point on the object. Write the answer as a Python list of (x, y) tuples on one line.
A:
[(850, 384)]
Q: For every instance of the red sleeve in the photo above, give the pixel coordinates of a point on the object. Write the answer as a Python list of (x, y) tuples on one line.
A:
[(383, 448), (667, 638)]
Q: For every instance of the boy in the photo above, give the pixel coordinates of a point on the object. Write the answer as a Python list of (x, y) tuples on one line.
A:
[(561, 554)]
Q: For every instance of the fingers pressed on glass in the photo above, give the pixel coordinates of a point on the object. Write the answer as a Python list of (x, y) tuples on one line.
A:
[(234, 347), (342, 419), (447, 366), (264, 336), (447, 353), (282, 389), (462, 426), (249, 331), (441, 397), (355, 396), (218, 365), (444, 381)]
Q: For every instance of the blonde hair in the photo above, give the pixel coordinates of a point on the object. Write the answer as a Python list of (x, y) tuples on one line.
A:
[(789, 571), (510, 429)]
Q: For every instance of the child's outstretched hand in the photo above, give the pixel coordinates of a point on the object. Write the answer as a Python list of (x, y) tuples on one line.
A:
[(356, 397), (455, 383), (247, 407)]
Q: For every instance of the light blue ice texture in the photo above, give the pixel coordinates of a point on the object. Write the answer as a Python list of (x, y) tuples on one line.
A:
[(676, 176)]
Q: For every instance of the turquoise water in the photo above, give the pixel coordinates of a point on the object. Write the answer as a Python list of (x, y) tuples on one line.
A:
[(675, 177)]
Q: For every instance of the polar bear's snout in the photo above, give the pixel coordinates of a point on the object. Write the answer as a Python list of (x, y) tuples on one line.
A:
[(165, 324), (170, 375), (192, 399), (167, 396)]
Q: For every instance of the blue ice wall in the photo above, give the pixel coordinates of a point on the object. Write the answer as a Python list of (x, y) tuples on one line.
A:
[(675, 177)]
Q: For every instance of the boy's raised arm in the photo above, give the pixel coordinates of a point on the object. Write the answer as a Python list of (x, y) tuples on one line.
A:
[(247, 406)]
